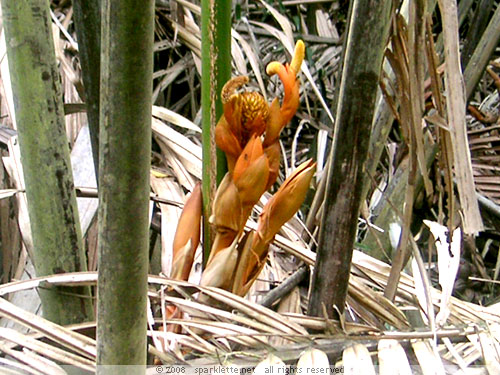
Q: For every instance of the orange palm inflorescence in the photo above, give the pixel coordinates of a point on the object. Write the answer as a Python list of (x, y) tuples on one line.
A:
[(248, 133)]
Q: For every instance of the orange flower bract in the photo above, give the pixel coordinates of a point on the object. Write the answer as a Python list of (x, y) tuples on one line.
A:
[(278, 210), (286, 201), (227, 205), (187, 236)]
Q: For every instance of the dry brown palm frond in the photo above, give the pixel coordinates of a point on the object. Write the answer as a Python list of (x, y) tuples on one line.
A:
[(73, 341), (251, 326), (483, 140)]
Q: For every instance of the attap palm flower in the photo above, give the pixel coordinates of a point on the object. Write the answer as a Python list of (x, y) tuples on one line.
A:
[(247, 113), (253, 166), (248, 133)]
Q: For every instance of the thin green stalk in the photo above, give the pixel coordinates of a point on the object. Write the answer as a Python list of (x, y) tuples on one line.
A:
[(55, 224), (124, 165), (216, 71)]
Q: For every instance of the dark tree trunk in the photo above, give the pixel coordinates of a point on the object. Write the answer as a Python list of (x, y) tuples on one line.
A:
[(367, 38)]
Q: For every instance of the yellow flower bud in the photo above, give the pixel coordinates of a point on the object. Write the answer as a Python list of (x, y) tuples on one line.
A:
[(298, 56)]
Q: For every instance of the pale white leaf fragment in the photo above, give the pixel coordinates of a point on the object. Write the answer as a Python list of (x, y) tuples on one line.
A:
[(430, 362), (448, 262), (313, 359), (271, 365), (392, 358)]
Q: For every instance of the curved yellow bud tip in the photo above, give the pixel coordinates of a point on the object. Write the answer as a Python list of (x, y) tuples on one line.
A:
[(298, 56), (299, 53), (273, 68)]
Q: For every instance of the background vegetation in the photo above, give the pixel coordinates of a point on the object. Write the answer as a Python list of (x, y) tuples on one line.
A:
[(414, 151)]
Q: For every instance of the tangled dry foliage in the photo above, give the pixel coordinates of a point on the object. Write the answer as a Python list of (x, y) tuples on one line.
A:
[(426, 326)]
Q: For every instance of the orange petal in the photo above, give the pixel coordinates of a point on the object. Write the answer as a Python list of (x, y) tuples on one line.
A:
[(291, 88), (231, 161), (219, 272), (227, 205), (291, 102), (223, 238), (251, 173), (187, 235), (225, 138), (252, 260), (274, 123), (287, 74), (233, 116), (253, 181), (286, 201), (250, 153), (273, 153)]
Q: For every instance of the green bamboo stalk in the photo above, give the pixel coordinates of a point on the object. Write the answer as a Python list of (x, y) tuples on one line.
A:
[(216, 71), (124, 165), (53, 212)]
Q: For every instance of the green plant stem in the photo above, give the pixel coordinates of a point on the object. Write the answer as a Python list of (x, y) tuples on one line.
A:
[(124, 167), (54, 220), (216, 71)]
